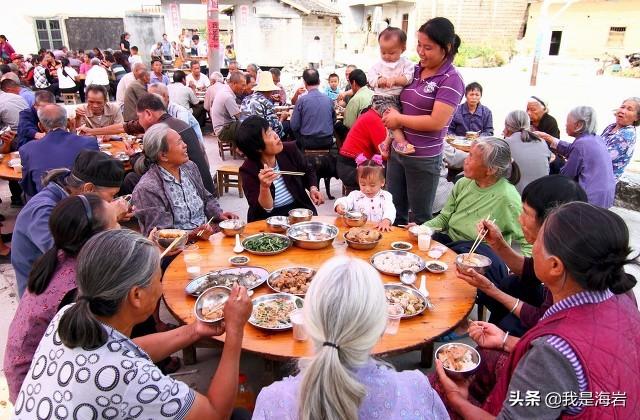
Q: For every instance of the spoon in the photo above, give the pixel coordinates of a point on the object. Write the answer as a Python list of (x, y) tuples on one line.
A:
[(408, 278), (238, 248), (424, 291)]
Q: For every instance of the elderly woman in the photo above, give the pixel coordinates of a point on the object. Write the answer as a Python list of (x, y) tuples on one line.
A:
[(484, 192), (559, 354), (52, 280), (588, 160), (92, 172), (345, 316), (620, 137), (527, 150), (268, 192), (518, 300), (170, 194), (428, 104), (89, 366), (541, 120)]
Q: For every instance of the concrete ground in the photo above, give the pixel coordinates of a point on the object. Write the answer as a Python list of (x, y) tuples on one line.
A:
[(505, 89)]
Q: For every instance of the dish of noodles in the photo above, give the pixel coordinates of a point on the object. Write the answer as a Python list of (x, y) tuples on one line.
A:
[(271, 312)]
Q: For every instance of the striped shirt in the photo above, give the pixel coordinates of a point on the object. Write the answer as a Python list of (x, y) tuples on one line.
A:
[(282, 196), (419, 98), (582, 298)]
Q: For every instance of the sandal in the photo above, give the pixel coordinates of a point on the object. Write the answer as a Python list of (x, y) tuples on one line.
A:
[(169, 365)]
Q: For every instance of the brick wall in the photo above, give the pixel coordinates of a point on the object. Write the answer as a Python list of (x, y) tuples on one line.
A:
[(325, 28)]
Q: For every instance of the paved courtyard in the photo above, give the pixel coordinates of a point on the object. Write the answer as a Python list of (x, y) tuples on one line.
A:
[(506, 89)]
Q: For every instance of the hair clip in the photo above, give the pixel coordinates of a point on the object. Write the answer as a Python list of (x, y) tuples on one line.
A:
[(378, 160), (360, 159)]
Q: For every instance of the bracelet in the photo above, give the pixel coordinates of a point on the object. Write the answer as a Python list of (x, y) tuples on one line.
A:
[(515, 306), (504, 340)]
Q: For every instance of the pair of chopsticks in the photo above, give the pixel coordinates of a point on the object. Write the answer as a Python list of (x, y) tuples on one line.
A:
[(208, 223), (170, 247), (479, 239), (289, 173)]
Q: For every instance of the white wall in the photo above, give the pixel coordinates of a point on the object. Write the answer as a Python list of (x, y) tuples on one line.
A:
[(17, 19)]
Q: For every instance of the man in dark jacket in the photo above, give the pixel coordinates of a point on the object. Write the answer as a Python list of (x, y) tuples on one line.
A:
[(57, 149), (28, 124)]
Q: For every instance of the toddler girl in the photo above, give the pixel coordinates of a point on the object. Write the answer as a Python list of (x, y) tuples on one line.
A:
[(387, 77), (371, 200)]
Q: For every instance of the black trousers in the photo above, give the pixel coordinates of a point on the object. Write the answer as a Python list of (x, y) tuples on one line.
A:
[(313, 142)]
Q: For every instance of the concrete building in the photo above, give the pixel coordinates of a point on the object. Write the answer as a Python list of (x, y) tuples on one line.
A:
[(32, 25), (585, 29), (277, 32)]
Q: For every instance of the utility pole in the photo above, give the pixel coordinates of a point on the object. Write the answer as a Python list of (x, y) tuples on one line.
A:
[(213, 32), (543, 28)]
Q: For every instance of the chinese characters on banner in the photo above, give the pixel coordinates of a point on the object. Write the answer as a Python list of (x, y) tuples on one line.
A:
[(212, 5), (174, 15), (244, 14), (213, 28)]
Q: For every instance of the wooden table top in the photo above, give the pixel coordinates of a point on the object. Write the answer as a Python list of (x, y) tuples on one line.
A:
[(11, 174), (452, 297)]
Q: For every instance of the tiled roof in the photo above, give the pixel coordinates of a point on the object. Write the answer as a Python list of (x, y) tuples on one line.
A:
[(313, 7)]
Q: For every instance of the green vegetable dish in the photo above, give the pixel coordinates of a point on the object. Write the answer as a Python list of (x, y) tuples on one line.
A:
[(266, 243)]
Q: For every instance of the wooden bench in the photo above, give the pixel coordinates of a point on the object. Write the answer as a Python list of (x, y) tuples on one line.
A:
[(226, 146), (228, 176)]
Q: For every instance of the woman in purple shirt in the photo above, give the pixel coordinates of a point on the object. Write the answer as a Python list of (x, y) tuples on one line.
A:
[(52, 281), (345, 314), (428, 104), (588, 160)]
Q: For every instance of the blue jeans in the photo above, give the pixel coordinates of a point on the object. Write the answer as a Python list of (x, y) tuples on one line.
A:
[(413, 181)]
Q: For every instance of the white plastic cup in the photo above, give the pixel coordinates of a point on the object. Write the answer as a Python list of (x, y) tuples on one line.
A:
[(192, 260), (424, 241), (297, 321), (394, 314)]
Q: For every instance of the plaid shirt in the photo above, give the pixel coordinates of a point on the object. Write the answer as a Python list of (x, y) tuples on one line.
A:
[(40, 80), (258, 104)]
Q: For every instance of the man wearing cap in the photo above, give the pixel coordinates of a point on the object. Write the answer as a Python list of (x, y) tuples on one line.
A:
[(260, 103), (92, 172), (57, 149)]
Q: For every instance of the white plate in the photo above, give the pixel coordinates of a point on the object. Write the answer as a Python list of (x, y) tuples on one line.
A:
[(418, 262), (299, 302)]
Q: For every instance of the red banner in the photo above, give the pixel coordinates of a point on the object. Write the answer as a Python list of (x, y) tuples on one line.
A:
[(213, 28), (212, 5), (174, 14)]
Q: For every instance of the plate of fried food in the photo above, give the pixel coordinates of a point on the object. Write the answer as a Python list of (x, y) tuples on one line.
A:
[(293, 280)]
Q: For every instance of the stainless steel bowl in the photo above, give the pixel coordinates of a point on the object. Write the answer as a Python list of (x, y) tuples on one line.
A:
[(274, 275), (411, 291), (232, 227), (417, 263), (461, 374), (278, 224), (362, 245), (300, 215), (477, 262), (355, 218), (174, 233), (214, 297), (297, 300), (260, 235), (312, 229)]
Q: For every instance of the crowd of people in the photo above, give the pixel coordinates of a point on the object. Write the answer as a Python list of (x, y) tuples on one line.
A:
[(87, 333)]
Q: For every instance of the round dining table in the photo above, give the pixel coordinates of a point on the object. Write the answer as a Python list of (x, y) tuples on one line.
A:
[(452, 298), (8, 173)]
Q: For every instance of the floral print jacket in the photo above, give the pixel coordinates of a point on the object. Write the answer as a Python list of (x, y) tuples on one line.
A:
[(620, 144)]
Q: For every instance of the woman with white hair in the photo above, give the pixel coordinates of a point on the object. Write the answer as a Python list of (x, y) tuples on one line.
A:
[(171, 194), (620, 136), (541, 120), (588, 160), (97, 75), (345, 316), (527, 150)]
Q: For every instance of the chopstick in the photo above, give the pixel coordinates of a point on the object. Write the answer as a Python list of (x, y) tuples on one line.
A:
[(478, 240), (170, 247), (208, 222), (289, 173)]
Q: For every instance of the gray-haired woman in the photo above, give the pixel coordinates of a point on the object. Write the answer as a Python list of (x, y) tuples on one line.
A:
[(620, 136), (588, 160), (171, 194), (527, 150), (345, 315), (86, 366)]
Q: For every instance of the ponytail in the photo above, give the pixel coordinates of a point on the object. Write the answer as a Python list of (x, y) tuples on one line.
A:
[(528, 136), (514, 173), (142, 165), (42, 271), (79, 327), (331, 391)]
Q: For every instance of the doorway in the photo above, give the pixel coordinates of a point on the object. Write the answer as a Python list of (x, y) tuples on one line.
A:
[(554, 45)]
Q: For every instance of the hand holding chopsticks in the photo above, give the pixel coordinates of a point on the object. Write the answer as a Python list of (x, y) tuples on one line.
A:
[(172, 245), (481, 234), (202, 230)]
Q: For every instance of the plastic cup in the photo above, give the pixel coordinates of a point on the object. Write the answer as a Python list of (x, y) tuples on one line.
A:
[(297, 321), (394, 314), (192, 259), (424, 241)]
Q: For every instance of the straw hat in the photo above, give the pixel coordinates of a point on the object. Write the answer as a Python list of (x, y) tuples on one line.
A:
[(265, 83)]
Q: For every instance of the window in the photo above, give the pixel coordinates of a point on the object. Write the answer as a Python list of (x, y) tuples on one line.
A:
[(49, 33), (616, 36)]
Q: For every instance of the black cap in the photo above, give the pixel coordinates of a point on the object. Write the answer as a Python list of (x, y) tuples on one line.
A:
[(98, 168)]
